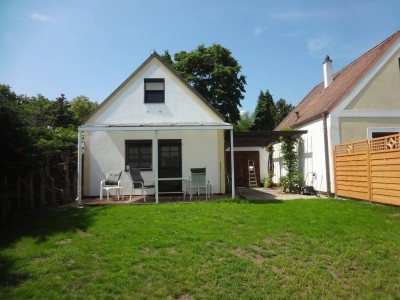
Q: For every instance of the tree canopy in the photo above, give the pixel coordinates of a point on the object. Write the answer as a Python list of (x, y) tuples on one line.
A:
[(36, 131), (215, 74), (269, 114), (81, 107), (264, 113)]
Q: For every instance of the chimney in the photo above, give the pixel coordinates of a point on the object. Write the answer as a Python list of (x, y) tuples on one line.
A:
[(328, 76)]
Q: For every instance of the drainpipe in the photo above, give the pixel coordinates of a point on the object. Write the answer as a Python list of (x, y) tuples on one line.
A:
[(327, 165)]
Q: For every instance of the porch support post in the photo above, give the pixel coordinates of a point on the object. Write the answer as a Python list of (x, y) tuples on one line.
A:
[(79, 169), (232, 166), (155, 163)]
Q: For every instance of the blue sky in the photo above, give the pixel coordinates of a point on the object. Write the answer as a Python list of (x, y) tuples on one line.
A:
[(90, 47)]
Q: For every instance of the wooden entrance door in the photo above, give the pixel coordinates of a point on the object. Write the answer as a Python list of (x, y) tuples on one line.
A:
[(170, 165), (241, 166)]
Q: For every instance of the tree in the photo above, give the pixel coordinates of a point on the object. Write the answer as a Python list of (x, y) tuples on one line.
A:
[(81, 107), (14, 140), (282, 109), (62, 114), (264, 113), (245, 123), (39, 111), (215, 74)]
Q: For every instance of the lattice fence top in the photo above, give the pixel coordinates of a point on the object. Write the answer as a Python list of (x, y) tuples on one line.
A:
[(391, 142), (352, 148)]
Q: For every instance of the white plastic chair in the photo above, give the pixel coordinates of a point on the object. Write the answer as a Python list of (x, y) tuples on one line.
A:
[(111, 182), (198, 180)]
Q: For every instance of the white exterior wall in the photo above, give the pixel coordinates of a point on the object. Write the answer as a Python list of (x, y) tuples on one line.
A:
[(127, 105), (107, 153), (311, 155), (105, 150)]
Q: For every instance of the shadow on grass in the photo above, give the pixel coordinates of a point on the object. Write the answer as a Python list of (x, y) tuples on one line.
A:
[(38, 225)]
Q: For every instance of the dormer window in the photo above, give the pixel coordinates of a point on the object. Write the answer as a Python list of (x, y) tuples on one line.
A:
[(154, 90)]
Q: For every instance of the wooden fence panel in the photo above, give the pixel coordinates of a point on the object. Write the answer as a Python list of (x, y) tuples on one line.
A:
[(352, 170), (369, 170)]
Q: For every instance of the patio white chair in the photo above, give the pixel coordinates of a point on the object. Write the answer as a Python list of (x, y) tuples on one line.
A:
[(111, 182), (197, 181), (139, 183)]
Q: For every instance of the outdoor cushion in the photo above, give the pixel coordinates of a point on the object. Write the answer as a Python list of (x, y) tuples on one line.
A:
[(198, 170), (112, 178)]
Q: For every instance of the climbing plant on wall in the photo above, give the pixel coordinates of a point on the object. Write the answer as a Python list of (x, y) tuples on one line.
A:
[(293, 181)]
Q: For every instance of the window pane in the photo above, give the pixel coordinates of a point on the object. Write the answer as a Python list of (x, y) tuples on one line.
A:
[(154, 96), (151, 86), (139, 154)]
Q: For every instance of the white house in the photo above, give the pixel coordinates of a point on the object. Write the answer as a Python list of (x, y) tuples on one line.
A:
[(360, 101), (157, 122)]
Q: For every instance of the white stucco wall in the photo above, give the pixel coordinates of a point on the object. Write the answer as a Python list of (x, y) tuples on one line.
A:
[(106, 152), (311, 155), (127, 105)]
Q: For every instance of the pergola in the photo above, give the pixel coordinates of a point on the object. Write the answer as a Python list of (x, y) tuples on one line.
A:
[(260, 138), (155, 128)]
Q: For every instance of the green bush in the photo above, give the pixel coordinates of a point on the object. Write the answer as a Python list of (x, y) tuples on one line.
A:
[(292, 183), (269, 182)]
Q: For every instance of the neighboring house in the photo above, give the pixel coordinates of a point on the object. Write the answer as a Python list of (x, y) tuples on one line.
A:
[(157, 122), (360, 101)]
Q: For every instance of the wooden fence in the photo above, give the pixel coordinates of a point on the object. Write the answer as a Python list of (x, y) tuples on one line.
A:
[(369, 170), (52, 185)]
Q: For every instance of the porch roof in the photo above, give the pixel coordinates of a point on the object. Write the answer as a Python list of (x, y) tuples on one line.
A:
[(156, 126)]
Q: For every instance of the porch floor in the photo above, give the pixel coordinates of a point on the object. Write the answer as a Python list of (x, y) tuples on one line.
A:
[(150, 199), (242, 192)]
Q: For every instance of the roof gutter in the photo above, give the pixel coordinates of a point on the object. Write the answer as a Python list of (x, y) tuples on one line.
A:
[(327, 165)]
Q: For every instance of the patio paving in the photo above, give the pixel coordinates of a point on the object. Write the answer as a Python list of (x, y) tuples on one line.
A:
[(270, 194)]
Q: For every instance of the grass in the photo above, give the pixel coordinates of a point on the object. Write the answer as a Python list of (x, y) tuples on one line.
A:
[(226, 250)]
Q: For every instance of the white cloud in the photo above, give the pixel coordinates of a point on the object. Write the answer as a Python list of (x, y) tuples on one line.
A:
[(317, 45), (301, 15), (39, 17), (258, 30)]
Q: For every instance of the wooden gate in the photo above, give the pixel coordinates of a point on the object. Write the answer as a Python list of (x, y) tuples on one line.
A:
[(369, 169), (241, 166)]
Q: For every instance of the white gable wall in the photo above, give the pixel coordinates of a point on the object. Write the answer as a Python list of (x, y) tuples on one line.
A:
[(126, 105)]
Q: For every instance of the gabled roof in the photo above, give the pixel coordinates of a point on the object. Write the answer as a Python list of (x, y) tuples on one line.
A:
[(156, 56), (322, 100)]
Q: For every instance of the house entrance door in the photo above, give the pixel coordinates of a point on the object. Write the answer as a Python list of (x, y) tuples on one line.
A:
[(170, 165)]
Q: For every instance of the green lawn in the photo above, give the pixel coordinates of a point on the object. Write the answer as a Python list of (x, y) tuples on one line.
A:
[(226, 250)]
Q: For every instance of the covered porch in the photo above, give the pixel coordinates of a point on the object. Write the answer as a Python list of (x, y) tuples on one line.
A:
[(155, 130)]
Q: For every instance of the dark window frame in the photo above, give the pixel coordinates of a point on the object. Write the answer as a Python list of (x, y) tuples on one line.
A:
[(143, 157), (154, 96)]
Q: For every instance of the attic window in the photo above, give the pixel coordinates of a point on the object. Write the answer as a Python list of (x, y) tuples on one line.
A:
[(154, 90)]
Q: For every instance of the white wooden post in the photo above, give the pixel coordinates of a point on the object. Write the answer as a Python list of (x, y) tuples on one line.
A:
[(232, 166), (155, 163), (79, 183)]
